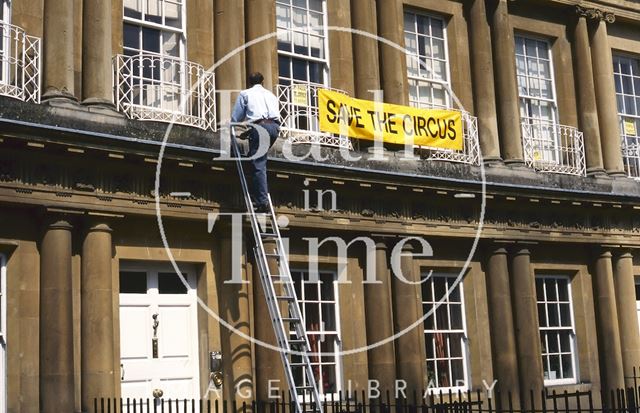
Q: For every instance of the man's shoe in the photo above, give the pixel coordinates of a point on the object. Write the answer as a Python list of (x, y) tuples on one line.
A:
[(261, 208)]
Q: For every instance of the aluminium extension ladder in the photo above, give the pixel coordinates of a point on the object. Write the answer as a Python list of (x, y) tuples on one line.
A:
[(293, 341)]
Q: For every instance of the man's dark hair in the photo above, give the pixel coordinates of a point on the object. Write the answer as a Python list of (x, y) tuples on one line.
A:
[(255, 78)]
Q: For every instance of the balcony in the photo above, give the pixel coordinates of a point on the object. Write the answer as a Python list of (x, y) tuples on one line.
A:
[(631, 146), (470, 153), (299, 116), (165, 89), (19, 64), (550, 147)]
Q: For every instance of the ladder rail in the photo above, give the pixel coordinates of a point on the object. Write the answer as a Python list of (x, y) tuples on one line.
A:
[(283, 335)]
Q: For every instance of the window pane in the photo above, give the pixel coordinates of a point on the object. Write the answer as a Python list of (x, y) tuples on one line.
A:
[(170, 283), (132, 8), (173, 15), (151, 40), (132, 282), (131, 36), (154, 11)]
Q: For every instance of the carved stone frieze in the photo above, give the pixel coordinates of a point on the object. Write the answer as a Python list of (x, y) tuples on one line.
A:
[(595, 14)]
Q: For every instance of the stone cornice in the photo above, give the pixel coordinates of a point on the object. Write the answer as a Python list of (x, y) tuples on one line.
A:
[(595, 14)]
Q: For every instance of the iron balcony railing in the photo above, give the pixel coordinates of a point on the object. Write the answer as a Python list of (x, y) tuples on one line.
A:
[(551, 147), (470, 153), (19, 64), (300, 118), (631, 145), (166, 89)]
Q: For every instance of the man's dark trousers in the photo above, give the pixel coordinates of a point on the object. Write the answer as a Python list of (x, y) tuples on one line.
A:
[(258, 166)]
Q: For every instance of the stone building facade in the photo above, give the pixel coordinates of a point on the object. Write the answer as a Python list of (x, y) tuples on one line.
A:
[(539, 212)]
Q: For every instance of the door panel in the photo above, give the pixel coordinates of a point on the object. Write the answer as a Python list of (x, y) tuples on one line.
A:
[(174, 366)]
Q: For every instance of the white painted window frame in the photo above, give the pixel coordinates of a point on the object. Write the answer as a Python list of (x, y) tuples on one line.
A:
[(5, 39), (446, 83), (571, 329), (326, 68), (524, 98), (296, 273), (632, 163), (181, 34), (450, 277)]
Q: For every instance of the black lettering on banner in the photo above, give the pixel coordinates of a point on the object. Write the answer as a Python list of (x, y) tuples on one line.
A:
[(331, 108), (432, 121), (442, 128), (420, 128), (358, 117), (373, 119), (404, 125), (452, 130), (391, 122)]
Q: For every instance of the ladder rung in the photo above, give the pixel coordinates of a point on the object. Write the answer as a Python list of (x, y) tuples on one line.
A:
[(290, 319), (268, 235), (284, 297), (304, 388)]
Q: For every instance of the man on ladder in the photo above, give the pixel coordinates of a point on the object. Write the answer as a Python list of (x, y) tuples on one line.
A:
[(261, 110)]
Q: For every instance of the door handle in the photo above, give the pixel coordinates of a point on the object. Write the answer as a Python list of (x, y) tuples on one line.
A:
[(121, 371), (157, 393)]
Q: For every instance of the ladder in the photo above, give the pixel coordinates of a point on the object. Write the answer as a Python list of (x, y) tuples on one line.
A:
[(292, 341)]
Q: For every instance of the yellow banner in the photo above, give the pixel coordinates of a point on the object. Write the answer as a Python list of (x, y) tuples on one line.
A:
[(365, 119), (630, 127)]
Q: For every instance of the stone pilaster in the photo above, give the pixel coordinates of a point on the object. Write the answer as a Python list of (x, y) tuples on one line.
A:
[(523, 292), (602, 61), (56, 319), (504, 63), (96, 53), (57, 48), (607, 323), (407, 309), (340, 46), (625, 286), (261, 21), (268, 362), (379, 322), (97, 327), (365, 49), (483, 83), (587, 107), (392, 60), (234, 309), (503, 339)]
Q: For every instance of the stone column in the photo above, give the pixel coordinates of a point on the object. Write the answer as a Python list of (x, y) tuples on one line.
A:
[(56, 319), (379, 322), (268, 362), (261, 21), (587, 108), (523, 292), (97, 353), (483, 84), (96, 53), (504, 58), (607, 323), (625, 285), (606, 94), (229, 34), (407, 309), (392, 61), (365, 49), (503, 339), (340, 46), (57, 48)]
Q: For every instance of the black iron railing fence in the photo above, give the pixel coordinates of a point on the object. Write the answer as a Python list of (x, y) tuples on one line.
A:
[(616, 401)]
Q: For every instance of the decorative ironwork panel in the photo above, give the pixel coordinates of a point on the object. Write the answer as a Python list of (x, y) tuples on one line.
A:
[(550, 147), (165, 89), (19, 64)]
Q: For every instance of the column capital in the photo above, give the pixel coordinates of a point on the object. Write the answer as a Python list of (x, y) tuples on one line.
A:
[(623, 252), (520, 250), (595, 14), (93, 225), (56, 221)]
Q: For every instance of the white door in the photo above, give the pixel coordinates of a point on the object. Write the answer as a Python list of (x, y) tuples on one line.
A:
[(3, 334), (158, 333)]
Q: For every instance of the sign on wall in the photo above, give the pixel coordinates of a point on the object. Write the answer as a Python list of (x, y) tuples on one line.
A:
[(365, 119)]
